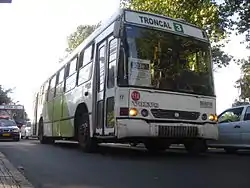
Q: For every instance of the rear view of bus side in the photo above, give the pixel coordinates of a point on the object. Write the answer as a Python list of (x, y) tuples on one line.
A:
[(139, 78)]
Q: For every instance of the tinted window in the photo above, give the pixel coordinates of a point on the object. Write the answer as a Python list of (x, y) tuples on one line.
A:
[(231, 115), (53, 82), (112, 62), (101, 68), (110, 112), (87, 56), (247, 114), (5, 122), (72, 67), (85, 73), (61, 76)]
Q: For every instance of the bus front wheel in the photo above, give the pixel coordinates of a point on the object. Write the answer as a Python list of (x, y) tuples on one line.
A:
[(86, 143)]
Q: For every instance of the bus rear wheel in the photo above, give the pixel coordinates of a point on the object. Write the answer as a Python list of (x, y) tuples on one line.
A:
[(43, 139), (86, 143)]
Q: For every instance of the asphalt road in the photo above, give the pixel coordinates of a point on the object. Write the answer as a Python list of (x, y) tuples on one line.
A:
[(65, 166)]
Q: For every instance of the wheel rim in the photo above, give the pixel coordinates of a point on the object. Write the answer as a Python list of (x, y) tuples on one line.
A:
[(83, 133)]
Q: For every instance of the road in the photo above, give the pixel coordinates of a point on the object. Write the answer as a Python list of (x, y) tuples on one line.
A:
[(64, 166)]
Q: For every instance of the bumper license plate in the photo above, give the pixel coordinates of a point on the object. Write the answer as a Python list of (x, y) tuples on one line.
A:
[(7, 134)]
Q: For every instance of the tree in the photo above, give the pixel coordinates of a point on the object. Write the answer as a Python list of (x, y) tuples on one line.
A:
[(241, 10), (4, 98), (243, 83), (205, 14), (77, 37)]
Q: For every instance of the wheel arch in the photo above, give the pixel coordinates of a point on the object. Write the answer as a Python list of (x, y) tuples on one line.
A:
[(39, 127), (81, 109)]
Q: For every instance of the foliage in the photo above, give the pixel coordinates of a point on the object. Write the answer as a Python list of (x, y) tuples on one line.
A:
[(81, 33), (243, 84), (4, 98), (241, 10), (205, 14)]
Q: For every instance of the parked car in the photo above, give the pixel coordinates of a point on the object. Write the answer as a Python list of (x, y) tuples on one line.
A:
[(9, 129), (26, 130), (234, 129)]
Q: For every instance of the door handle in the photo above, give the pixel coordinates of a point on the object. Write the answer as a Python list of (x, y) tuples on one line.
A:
[(236, 126)]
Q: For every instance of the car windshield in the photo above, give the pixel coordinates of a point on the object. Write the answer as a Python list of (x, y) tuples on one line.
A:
[(165, 61), (6, 123)]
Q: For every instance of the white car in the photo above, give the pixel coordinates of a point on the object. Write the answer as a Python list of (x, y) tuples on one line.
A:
[(26, 131), (234, 129)]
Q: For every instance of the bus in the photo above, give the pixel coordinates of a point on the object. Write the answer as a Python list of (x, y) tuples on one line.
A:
[(15, 112), (138, 78)]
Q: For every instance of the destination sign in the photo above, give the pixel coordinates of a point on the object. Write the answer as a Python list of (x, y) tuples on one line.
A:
[(164, 23), (9, 107)]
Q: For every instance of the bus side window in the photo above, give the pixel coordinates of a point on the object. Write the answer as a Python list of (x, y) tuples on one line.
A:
[(51, 91), (59, 83), (85, 64), (46, 91), (112, 62), (70, 75), (40, 95)]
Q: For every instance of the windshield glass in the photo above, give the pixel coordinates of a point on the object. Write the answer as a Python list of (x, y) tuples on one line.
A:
[(6, 123), (165, 61)]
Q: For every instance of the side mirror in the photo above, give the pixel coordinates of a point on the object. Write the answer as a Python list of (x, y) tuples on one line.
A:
[(117, 28)]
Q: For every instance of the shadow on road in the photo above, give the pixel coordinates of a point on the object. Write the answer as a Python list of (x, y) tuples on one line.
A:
[(118, 151)]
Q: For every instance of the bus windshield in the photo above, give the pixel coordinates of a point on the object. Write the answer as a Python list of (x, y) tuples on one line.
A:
[(164, 61)]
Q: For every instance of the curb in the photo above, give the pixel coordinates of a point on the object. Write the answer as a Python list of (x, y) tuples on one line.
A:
[(17, 176)]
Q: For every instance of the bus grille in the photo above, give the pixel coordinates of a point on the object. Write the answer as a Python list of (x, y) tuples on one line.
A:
[(175, 114), (178, 131)]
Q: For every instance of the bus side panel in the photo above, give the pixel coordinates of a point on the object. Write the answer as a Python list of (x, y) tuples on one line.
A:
[(47, 118), (57, 112), (66, 124)]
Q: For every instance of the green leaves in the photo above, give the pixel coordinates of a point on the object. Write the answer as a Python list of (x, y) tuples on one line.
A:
[(81, 33), (205, 14), (4, 98), (243, 84), (237, 13)]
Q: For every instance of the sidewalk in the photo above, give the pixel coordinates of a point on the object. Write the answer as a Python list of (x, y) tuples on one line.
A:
[(10, 177)]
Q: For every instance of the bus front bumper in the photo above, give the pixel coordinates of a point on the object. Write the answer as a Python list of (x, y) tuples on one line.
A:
[(140, 128)]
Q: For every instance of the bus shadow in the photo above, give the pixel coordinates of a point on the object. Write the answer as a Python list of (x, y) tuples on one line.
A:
[(135, 153)]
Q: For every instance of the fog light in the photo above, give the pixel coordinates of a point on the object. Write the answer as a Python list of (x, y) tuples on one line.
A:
[(133, 112), (204, 116), (212, 117), (144, 112)]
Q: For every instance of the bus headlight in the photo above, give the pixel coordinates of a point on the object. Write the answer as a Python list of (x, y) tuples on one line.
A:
[(133, 112), (212, 117)]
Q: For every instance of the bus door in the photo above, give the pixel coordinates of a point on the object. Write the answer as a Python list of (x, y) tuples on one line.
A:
[(105, 86)]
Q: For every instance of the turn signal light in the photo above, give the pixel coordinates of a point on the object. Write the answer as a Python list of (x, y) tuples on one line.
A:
[(213, 117), (133, 112)]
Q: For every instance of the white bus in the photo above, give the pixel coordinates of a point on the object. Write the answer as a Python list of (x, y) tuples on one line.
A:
[(139, 78)]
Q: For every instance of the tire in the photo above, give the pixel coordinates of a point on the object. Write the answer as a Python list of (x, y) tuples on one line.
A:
[(231, 150), (44, 139), (86, 143), (16, 139), (155, 147), (196, 147)]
